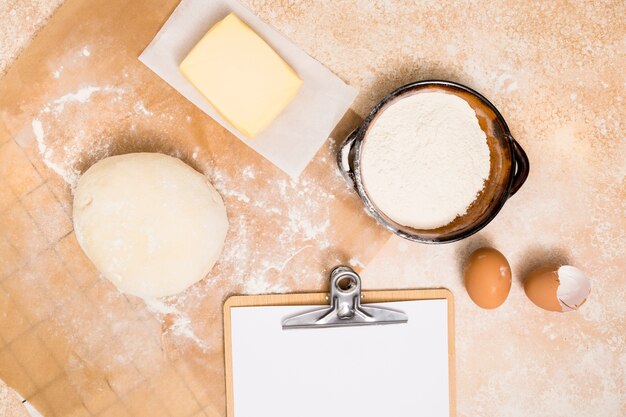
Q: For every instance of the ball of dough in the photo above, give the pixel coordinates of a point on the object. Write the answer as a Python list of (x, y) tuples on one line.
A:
[(150, 223)]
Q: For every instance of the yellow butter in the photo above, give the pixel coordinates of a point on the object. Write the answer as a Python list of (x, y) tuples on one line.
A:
[(240, 75)]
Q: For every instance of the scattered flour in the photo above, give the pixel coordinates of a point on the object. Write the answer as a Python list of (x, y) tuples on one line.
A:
[(258, 266), (69, 175), (85, 51), (63, 159), (19, 23), (236, 194), (81, 96), (57, 73), (181, 325), (274, 228), (141, 108), (259, 285), (248, 172)]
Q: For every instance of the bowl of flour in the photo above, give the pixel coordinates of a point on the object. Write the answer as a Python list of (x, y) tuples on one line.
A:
[(433, 162)]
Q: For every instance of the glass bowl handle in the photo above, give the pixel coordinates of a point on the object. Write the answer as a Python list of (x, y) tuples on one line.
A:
[(522, 167)]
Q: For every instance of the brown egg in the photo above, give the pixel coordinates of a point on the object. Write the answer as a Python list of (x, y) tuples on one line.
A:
[(558, 288), (487, 278)]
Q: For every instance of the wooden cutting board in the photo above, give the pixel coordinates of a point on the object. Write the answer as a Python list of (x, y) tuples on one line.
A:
[(70, 343)]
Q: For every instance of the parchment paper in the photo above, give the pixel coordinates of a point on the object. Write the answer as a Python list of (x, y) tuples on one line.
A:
[(294, 137)]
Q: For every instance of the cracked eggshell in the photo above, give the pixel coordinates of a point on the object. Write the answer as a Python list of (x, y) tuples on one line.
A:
[(560, 288)]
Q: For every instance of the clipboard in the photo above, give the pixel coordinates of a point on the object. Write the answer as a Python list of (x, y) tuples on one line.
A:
[(347, 353)]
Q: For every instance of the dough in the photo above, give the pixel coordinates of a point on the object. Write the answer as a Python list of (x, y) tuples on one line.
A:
[(150, 223)]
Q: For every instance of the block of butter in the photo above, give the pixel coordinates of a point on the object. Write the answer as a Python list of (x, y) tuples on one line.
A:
[(240, 75)]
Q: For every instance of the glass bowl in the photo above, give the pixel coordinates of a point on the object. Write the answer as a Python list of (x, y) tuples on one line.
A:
[(508, 172)]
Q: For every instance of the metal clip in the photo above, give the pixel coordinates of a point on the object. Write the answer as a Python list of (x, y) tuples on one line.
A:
[(345, 306)]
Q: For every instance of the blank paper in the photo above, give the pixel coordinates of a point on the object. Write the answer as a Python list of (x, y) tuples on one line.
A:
[(397, 370)]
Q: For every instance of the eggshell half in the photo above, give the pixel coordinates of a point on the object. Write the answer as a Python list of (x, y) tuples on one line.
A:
[(574, 288), (559, 288)]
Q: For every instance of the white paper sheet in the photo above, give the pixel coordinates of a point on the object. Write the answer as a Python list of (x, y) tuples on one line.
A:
[(398, 370), (294, 137)]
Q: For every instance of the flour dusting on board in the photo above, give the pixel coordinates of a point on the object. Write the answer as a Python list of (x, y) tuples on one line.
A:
[(78, 128), (64, 159), (246, 265), (294, 216), (303, 224), (181, 324)]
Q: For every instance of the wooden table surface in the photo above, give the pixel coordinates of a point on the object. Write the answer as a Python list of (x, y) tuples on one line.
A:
[(73, 346)]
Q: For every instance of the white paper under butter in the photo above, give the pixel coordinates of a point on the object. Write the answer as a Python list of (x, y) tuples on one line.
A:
[(295, 136)]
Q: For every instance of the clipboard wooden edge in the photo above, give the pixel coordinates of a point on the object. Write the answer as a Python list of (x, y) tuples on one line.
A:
[(382, 296)]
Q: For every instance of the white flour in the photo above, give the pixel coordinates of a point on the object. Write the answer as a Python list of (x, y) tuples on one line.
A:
[(425, 160), (19, 23), (181, 325), (63, 159)]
